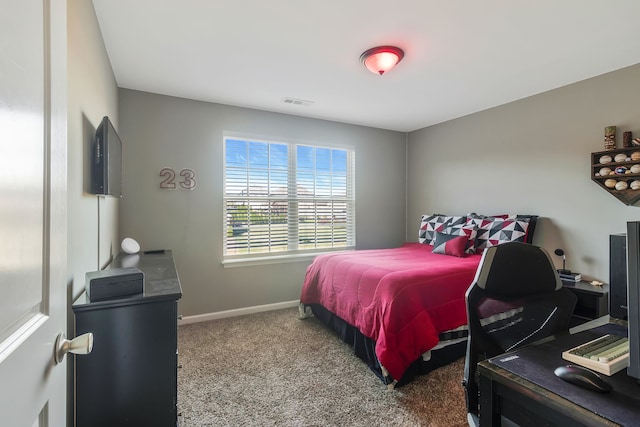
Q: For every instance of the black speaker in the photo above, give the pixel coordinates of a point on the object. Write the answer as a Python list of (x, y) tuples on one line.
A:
[(618, 276)]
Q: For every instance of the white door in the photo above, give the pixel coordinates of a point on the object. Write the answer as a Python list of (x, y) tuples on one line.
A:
[(32, 211)]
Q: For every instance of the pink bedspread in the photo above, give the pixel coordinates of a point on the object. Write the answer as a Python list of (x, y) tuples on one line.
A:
[(402, 298)]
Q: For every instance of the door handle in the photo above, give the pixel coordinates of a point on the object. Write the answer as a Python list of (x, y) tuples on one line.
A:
[(79, 345)]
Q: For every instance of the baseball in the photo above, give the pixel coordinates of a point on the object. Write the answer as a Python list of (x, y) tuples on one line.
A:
[(611, 183), (621, 185), (607, 159)]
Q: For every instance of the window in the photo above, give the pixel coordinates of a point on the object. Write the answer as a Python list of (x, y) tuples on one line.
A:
[(282, 198)]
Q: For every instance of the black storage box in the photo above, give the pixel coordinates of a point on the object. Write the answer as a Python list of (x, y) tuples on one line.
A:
[(114, 283)]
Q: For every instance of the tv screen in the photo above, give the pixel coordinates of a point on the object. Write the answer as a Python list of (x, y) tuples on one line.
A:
[(107, 161)]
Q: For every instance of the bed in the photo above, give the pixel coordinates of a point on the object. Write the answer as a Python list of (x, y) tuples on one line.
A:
[(402, 309)]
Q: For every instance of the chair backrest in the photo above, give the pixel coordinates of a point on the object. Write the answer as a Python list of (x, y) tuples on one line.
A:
[(515, 299)]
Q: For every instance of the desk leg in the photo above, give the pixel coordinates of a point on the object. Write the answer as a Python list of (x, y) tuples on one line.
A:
[(489, 412)]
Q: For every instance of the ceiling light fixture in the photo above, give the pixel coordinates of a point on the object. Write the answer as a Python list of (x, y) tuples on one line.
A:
[(381, 59)]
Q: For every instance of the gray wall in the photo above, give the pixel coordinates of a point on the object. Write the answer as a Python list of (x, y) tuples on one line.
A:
[(92, 220), (532, 157), (160, 131)]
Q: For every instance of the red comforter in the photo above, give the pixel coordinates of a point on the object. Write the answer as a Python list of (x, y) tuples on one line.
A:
[(402, 298)]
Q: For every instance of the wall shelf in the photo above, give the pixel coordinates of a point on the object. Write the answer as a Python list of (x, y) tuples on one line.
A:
[(607, 181)]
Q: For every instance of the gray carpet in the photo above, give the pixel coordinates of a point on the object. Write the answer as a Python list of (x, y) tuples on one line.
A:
[(272, 369)]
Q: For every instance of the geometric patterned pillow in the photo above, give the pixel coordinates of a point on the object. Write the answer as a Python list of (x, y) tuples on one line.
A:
[(532, 224), (430, 224), (475, 215), (531, 218), (494, 231), (449, 244), (469, 230)]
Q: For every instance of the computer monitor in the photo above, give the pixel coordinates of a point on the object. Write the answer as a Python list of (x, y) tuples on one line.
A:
[(633, 297), (618, 277)]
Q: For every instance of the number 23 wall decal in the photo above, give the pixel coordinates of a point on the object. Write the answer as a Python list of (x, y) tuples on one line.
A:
[(187, 180)]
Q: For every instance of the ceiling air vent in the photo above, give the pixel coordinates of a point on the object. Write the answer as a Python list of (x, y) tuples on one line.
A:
[(294, 101)]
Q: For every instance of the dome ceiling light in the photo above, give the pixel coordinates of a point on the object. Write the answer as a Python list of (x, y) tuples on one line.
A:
[(381, 59)]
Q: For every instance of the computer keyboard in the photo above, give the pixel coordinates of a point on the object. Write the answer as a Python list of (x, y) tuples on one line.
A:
[(607, 354)]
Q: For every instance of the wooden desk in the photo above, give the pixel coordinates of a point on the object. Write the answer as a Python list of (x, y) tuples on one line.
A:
[(522, 387)]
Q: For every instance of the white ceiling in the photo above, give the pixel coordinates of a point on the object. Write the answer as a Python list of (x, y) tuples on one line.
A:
[(461, 56)]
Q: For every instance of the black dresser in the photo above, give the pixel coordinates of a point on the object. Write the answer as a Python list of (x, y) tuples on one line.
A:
[(130, 377)]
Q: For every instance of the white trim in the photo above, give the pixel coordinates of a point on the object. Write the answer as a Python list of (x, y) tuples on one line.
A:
[(236, 312), (278, 259), (248, 262)]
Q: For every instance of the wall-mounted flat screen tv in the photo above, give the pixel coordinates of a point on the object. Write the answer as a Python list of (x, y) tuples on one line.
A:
[(106, 177)]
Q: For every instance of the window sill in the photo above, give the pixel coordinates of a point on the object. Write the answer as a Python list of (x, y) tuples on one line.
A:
[(275, 259)]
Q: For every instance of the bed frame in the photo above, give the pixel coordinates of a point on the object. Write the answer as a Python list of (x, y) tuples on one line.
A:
[(364, 347)]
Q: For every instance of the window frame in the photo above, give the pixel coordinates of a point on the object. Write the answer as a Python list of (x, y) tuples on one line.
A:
[(292, 198)]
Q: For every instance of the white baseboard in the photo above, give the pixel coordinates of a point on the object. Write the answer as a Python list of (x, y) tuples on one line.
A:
[(185, 320)]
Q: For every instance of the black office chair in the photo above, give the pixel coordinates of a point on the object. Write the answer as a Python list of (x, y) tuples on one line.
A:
[(515, 299)]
